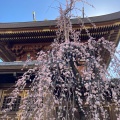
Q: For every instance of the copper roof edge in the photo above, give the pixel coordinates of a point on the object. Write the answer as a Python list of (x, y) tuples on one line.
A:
[(95, 19)]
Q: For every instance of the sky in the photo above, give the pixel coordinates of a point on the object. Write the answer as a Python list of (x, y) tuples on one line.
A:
[(114, 67), (21, 10)]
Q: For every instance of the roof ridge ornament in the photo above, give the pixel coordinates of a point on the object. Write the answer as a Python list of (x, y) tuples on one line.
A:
[(34, 17)]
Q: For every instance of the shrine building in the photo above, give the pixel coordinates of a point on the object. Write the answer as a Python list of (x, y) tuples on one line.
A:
[(22, 40)]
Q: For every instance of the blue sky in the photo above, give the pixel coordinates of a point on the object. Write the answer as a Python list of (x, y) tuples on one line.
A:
[(0, 60), (21, 10), (114, 66)]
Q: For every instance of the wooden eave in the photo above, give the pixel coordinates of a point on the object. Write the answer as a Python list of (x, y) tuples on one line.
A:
[(48, 36), (45, 31)]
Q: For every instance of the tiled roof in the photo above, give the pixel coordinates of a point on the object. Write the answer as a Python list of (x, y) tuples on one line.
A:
[(103, 18)]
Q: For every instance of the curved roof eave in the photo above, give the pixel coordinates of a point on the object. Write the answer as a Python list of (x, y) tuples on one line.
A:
[(96, 19)]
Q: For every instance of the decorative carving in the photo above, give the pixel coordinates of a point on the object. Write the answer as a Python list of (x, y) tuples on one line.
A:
[(21, 50)]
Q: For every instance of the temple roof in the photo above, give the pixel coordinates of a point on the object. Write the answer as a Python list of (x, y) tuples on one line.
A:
[(18, 39), (95, 19), (16, 66)]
